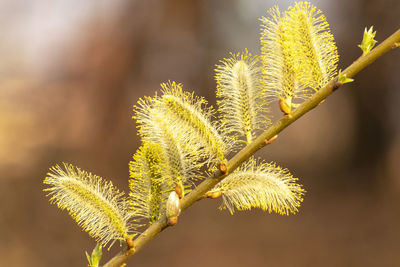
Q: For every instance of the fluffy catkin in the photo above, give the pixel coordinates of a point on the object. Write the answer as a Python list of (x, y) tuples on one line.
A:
[(299, 54), (148, 182), (309, 33), (261, 185), (241, 100), (190, 114), (95, 204), (187, 117)]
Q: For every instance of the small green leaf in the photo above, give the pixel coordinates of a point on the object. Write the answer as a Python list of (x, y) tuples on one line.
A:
[(343, 79), (89, 258), (94, 260), (368, 41)]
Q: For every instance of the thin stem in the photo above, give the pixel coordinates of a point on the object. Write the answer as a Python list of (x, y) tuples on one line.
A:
[(257, 144)]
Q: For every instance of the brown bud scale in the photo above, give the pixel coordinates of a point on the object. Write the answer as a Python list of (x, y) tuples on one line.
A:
[(172, 220), (223, 168), (129, 243), (178, 191), (215, 195)]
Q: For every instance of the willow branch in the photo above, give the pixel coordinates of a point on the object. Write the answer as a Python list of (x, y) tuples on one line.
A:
[(262, 140)]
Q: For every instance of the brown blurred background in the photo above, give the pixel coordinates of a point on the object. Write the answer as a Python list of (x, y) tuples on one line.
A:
[(70, 72)]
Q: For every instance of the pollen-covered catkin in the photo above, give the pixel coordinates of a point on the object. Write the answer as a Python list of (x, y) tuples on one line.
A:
[(309, 33), (299, 54), (260, 185), (279, 79), (95, 204), (241, 96), (188, 119), (147, 182), (181, 159), (190, 114)]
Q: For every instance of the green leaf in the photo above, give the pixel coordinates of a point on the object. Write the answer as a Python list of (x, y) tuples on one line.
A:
[(343, 79), (368, 41), (88, 258), (94, 260)]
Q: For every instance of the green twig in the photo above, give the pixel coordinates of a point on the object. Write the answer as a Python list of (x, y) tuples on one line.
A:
[(258, 143)]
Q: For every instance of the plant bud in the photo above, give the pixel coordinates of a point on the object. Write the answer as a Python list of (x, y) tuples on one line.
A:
[(172, 208), (285, 104), (215, 195), (223, 168), (172, 221), (179, 190), (129, 243)]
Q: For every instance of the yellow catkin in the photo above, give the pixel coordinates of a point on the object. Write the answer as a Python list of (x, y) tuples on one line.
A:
[(188, 119), (148, 181), (181, 157), (309, 33), (241, 101), (278, 73), (189, 114), (298, 53), (261, 185), (96, 205)]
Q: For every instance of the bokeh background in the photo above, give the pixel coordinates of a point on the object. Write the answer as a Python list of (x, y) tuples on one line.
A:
[(70, 72)]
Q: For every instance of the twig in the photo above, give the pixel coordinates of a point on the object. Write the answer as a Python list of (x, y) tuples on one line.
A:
[(257, 144)]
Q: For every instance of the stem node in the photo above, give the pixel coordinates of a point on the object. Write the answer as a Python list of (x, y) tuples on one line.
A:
[(271, 140), (172, 221)]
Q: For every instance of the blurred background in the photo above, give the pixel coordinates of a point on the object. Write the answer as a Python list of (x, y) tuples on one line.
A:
[(70, 72)]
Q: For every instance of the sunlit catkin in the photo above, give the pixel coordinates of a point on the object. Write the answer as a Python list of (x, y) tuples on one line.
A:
[(298, 53), (261, 185), (180, 156), (279, 78), (187, 114), (309, 34), (96, 205), (148, 182), (195, 117), (241, 101)]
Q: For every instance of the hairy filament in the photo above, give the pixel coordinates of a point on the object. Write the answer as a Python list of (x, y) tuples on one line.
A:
[(310, 34), (147, 182), (241, 102), (96, 205), (264, 185)]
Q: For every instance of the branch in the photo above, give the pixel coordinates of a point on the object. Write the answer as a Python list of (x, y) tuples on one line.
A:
[(262, 140)]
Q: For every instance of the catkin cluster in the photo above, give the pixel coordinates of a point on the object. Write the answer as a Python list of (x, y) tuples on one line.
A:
[(182, 142)]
